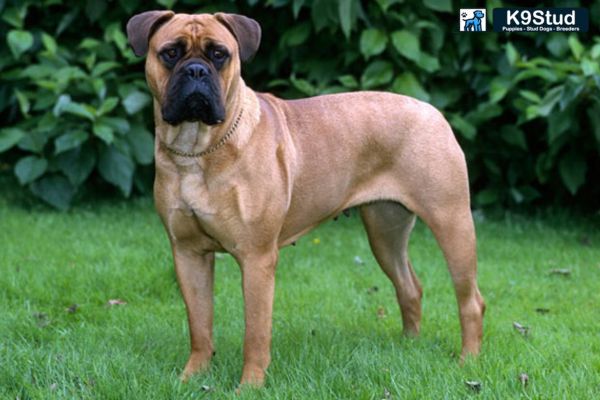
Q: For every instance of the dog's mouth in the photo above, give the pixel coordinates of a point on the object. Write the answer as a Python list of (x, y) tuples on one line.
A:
[(195, 107)]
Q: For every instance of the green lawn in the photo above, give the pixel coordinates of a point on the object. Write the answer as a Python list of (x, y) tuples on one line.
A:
[(336, 323)]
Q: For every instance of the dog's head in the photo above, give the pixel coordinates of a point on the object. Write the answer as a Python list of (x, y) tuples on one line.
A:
[(193, 61), (478, 14)]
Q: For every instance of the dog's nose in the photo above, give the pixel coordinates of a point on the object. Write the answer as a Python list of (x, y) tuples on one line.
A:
[(197, 70)]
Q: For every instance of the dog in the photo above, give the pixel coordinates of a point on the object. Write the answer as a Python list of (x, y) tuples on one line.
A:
[(474, 24), (247, 173)]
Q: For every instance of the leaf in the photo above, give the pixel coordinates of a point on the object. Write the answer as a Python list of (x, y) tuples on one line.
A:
[(322, 13), (118, 124), (104, 132), (557, 44), (386, 4), (29, 168), (54, 190), (593, 113), (60, 104), (108, 105), (348, 81), (549, 101), (103, 67), (94, 9), (116, 168), (80, 110), (67, 74), (542, 73), (303, 86), (49, 43), (19, 42), (37, 71), (408, 84), (487, 197), (15, 15), (167, 3), (589, 67), (484, 112), (297, 5), (114, 33), (511, 53), (66, 20), (377, 73), (439, 5), (531, 96), (142, 144), (558, 123), (345, 15), (572, 169), (499, 87), (9, 137), (296, 35), (77, 164), (24, 104), (34, 141), (407, 44), (69, 141), (428, 62), (372, 42), (466, 129), (135, 101), (575, 46), (514, 136)]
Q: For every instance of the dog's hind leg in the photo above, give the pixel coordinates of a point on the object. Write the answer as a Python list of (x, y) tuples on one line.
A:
[(455, 233), (388, 226)]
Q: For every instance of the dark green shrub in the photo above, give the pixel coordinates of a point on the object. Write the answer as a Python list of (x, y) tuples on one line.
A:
[(526, 107)]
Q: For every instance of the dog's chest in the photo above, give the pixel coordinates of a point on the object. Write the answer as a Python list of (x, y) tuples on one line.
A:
[(195, 197)]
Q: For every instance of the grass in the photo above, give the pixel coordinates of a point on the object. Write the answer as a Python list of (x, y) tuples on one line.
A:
[(335, 335)]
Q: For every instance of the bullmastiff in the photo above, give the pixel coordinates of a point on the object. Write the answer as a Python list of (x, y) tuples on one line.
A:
[(247, 173)]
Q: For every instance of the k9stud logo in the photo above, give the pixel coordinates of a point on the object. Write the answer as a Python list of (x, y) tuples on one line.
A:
[(472, 20), (541, 20)]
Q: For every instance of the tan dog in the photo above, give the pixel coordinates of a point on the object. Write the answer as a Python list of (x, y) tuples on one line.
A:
[(247, 173)]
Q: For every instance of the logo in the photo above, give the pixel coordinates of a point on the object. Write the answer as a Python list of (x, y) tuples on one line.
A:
[(541, 20), (472, 20)]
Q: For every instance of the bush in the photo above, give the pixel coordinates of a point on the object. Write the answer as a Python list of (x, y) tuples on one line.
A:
[(525, 107)]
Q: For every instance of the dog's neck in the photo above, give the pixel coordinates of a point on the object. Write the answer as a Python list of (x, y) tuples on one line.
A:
[(195, 138)]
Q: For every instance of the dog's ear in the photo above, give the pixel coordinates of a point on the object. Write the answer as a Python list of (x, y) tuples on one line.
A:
[(142, 26), (246, 31)]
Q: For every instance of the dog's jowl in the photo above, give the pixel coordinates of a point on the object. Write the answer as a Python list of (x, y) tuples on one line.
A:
[(247, 173)]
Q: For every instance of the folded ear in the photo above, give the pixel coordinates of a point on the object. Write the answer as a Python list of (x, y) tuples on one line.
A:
[(246, 31), (142, 26)]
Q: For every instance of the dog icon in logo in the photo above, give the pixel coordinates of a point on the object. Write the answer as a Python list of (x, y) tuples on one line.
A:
[(473, 24)]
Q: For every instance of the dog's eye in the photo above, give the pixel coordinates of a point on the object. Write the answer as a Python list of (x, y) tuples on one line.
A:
[(170, 55), (218, 54)]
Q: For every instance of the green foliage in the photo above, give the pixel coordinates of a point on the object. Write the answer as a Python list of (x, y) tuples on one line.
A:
[(526, 108)]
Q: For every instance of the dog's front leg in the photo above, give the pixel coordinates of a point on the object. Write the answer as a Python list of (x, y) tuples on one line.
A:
[(258, 284), (195, 273)]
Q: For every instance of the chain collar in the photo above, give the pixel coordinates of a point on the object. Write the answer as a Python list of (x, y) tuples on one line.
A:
[(214, 147)]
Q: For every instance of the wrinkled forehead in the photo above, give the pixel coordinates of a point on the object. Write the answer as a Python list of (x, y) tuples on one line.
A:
[(193, 30)]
